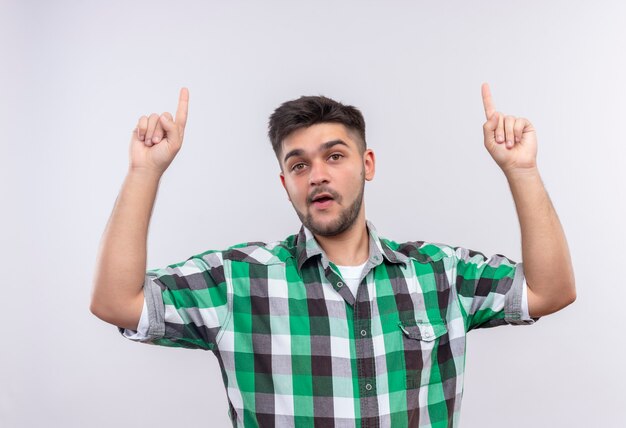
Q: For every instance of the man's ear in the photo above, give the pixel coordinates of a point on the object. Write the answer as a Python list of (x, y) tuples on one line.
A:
[(369, 164), (282, 181)]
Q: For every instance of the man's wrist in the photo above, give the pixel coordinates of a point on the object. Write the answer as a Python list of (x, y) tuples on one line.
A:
[(145, 173), (517, 174)]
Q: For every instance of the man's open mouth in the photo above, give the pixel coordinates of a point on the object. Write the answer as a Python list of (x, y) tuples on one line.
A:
[(322, 200)]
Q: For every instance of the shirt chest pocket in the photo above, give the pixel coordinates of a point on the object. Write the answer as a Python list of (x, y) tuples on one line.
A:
[(424, 349), (423, 331)]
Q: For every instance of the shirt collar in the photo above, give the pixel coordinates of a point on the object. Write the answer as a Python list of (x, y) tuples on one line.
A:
[(308, 247)]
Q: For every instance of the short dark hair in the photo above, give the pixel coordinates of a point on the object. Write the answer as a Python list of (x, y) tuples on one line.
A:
[(310, 110)]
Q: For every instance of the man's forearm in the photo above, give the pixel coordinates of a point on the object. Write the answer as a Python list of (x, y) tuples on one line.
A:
[(121, 264), (547, 262)]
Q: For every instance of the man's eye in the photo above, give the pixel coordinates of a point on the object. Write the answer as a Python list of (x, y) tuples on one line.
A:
[(336, 156), (297, 167)]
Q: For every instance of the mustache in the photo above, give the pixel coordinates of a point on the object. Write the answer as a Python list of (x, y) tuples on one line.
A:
[(321, 190)]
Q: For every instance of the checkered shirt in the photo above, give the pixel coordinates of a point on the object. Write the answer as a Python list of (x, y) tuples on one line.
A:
[(296, 348)]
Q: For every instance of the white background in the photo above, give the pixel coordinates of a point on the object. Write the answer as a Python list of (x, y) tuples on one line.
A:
[(76, 76)]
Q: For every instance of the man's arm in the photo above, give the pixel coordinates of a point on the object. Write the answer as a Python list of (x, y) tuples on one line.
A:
[(512, 143), (117, 296), (547, 262)]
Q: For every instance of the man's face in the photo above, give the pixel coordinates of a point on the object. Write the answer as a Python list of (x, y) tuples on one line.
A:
[(324, 175)]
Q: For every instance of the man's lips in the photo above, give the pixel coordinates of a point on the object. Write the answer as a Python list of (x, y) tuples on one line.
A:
[(319, 196), (323, 203), (322, 200)]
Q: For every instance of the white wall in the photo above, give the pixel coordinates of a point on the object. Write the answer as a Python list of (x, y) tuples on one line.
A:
[(76, 76)]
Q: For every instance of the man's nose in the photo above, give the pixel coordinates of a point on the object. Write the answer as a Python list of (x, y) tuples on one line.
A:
[(318, 174)]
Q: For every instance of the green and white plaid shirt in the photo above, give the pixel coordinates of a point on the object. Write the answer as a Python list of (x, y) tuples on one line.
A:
[(296, 348)]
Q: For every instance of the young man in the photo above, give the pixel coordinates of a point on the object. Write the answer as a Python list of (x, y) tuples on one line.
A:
[(333, 326)]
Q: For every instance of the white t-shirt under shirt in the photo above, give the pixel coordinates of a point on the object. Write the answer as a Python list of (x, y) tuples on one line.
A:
[(351, 276)]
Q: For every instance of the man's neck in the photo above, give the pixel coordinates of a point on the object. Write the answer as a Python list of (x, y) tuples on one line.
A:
[(350, 248)]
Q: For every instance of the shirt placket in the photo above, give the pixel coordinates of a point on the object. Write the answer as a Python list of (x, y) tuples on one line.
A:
[(362, 322)]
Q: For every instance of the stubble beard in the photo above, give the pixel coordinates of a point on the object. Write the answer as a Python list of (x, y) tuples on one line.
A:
[(344, 221)]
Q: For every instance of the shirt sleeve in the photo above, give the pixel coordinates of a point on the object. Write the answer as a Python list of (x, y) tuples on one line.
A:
[(490, 290), (185, 304)]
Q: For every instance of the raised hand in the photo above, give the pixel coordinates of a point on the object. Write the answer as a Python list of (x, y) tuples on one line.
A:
[(511, 141), (157, 139)]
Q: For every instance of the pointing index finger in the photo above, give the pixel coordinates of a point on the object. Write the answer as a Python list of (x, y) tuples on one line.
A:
[(487, 101), (183, 107)]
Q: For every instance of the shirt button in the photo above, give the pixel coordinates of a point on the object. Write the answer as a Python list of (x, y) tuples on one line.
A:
[(363, 333), (368, 386), (340, 284)]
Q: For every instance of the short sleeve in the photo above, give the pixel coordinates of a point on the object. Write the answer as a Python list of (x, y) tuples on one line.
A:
[(490, 290), (186, 302)]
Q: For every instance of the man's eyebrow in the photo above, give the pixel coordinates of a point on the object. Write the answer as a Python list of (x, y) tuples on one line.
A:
[(330, 144), (327, 145), (295, 152)]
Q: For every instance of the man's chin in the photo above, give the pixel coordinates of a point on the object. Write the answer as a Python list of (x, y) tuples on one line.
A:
[(328, 228)]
